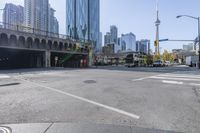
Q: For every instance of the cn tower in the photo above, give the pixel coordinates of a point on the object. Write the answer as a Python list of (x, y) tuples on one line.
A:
[(157, 23)]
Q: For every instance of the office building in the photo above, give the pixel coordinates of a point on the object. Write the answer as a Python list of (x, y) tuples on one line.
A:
[(83, 20), (128, 42), (13, 15), (143, 46), (36, 14), (107, 38), (114, 37), (189, 47), (53, 22)]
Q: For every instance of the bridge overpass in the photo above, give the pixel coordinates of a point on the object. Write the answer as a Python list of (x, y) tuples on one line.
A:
[(24, 47)]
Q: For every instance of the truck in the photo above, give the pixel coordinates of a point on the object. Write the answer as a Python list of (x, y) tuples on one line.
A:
[(192, 60)]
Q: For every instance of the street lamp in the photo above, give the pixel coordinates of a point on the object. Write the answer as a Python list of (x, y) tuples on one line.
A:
[(198, 19)]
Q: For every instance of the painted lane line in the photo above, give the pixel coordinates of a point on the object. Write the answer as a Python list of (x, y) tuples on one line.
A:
[(172, 82), (181, 76), (87, 100), (168, 78)]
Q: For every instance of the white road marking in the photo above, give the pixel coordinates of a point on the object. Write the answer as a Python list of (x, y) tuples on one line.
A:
[(181, 76), (194, 84), (171, 78), (140, 79), (4, 76), (172, 82), (87, 100)]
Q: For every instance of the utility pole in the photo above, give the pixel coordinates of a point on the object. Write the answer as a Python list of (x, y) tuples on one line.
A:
[(198, 19)]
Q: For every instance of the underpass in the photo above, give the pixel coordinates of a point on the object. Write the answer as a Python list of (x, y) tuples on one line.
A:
[(21, 58), (16, 58)]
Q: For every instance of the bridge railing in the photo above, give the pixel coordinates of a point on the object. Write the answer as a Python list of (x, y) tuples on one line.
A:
[(21, 28)]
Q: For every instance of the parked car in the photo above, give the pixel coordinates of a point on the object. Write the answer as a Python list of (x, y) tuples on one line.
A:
[(130, 65), (167, 63), (158, 64)]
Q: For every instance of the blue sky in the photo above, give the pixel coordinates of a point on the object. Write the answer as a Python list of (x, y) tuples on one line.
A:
[(138, 16)]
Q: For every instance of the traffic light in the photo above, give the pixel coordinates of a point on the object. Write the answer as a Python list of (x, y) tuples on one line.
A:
[(156, 43)]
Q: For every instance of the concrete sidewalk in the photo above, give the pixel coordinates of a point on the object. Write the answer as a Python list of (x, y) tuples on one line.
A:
[(77, 128)]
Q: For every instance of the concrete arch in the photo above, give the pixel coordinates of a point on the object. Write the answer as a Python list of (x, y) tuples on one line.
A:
[(55, 45), (74, 47), (66, 46), (43, 44), (13, 40), (36, 44), (3, 39), (70, 46), (61, 46), (21, 41), (29, 42), (49, 45)]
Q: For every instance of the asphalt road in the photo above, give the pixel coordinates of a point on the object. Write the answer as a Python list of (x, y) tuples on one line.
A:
[(156, 98)]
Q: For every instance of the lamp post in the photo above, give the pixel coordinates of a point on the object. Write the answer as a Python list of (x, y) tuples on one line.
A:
[(198, 19)]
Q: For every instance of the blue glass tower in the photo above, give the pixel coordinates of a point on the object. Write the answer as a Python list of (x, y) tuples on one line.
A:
[(83, 20)]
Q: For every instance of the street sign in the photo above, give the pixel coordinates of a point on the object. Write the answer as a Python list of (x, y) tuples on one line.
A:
[(163, 40)]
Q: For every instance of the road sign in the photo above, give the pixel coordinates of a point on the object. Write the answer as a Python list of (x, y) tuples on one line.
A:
[(163, 40)]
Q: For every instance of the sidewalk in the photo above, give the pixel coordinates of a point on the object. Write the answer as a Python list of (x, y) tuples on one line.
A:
[(77, 128)]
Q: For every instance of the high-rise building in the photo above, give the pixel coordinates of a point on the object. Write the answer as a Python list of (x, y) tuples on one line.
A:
[(13, 15), (119, 44), (114, 34), (100, 41), (107, 38), (36, 14), (53, 22), (143, 46), (189, 47), (114, 37), (128, 42), (83, 20)]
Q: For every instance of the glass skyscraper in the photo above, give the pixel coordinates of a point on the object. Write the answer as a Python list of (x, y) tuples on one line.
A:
[(39, 15), (83, 20), (13, 14), (36, 14)]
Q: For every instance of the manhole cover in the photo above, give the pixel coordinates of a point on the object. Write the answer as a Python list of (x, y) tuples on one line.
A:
[(5, 130), (90, 81)]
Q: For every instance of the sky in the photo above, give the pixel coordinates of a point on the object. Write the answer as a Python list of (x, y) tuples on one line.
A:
[(138, 17)]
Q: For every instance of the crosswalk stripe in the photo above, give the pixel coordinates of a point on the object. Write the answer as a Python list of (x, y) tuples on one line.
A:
[(172, 82)]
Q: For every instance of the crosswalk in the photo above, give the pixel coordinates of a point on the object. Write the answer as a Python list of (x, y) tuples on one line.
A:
[(179, 79)]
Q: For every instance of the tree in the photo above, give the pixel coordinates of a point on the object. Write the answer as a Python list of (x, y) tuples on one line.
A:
[(168, 56), (148, 60), (156, 57)]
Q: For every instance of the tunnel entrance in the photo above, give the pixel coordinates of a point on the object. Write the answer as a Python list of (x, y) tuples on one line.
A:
[(68, 60), (14, 58)]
